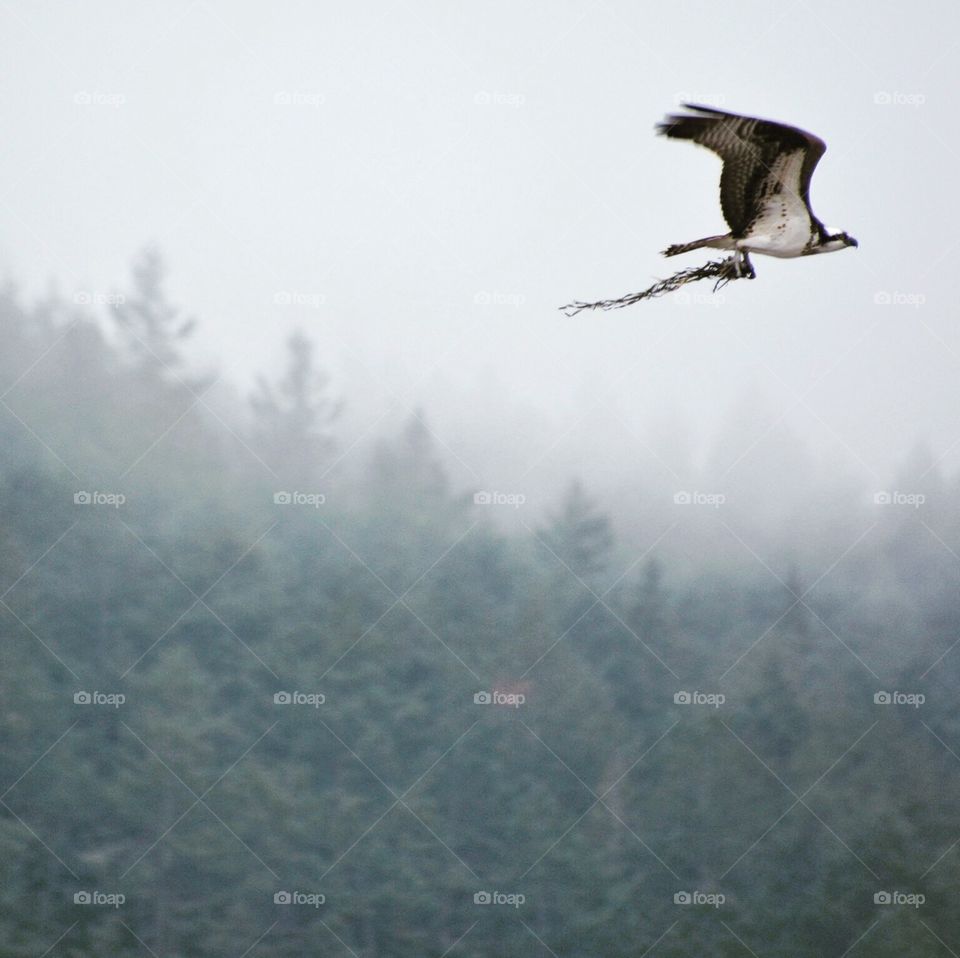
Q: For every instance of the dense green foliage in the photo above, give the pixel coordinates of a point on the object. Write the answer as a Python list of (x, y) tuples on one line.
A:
[(598, 797)]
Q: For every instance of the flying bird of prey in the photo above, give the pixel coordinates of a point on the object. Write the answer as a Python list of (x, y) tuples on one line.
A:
[(764, 186)]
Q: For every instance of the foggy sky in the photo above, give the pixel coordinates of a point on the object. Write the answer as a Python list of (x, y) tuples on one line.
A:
[(420, 186)]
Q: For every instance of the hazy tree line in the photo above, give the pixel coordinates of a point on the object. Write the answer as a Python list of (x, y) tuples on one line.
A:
[(782, 798)]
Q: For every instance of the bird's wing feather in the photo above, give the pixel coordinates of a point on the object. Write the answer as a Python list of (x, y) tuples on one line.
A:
[(749, 148)]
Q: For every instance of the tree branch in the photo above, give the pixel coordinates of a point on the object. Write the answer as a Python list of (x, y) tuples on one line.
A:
[(723, 271)]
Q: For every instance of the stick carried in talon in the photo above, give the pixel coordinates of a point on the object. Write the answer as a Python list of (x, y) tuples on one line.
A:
[(723, 271)]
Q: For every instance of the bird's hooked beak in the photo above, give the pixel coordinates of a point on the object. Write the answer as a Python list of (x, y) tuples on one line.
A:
[(851, 241)]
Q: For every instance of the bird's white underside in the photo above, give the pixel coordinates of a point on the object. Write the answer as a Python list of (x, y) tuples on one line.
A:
[(783, 227)]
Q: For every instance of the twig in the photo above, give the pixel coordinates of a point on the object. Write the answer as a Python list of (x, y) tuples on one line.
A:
[(723, 271)]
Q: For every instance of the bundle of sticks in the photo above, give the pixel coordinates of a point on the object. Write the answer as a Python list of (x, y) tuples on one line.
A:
[(723, 271)]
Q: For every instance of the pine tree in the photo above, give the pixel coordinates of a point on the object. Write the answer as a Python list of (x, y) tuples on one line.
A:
[(293, 418), (580, 535), (153, 329), (410, 466)]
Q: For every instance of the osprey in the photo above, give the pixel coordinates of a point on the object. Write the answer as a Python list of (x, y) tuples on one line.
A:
[(764, 186)]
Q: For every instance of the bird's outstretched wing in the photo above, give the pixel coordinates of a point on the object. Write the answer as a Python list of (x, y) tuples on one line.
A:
[(753, 151)]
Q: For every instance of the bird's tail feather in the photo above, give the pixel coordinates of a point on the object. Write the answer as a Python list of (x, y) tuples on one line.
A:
[(677, 248)]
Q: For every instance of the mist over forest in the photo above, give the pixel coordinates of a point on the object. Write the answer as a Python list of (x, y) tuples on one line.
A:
[(356, 601), (276, 684)]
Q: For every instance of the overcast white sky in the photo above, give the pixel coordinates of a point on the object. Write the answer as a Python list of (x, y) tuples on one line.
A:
[(430, 180)]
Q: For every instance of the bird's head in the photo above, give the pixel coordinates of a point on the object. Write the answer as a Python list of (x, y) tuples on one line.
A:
[(837, 240)]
